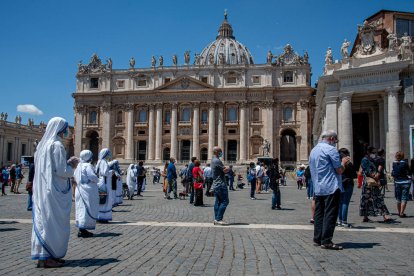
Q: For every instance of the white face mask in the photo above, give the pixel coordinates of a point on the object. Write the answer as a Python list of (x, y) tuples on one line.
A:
[(372, 155)]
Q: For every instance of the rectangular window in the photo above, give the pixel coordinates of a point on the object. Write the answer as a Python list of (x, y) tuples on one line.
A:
[(142, 83), (256, 79), (404, 26), (167, 117), (120, 84), (141, 132), (23, 149), (167, 80), (94, 82), (204, 116), (9, 151), (204, 131), (167, 131), (232, 131), (204, 79), (288, 77), (231, 80)]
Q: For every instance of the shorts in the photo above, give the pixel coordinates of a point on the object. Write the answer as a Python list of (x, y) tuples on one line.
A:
[(401, 192)]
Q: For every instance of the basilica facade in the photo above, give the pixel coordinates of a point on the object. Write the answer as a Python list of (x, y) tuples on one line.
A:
[(367, 95), (221, 98)]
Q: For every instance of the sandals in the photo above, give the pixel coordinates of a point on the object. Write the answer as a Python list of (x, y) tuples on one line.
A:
[(403, 216), (331, 246), (388, 220)]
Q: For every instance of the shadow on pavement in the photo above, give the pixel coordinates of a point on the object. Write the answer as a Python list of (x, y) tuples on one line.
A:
[(90, 262), (8, 222), (362, 227), (349, 245), (238, 223), (8, 229), (121, 211), (106, 234), (287, 209)]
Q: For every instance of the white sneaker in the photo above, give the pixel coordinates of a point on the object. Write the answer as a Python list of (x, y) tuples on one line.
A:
[(220, 222)]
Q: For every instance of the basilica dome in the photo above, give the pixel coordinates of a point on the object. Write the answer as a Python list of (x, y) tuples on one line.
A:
[(225, 49)]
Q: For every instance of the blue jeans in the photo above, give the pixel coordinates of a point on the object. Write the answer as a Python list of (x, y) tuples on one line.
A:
[(266, 183), (276, 198), (309, 188), (344, 200), (222, 200), (401, 192), (29, 201), (231, 181), (252, 187)]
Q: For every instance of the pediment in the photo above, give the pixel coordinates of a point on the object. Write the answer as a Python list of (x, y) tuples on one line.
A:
[(185, 83)]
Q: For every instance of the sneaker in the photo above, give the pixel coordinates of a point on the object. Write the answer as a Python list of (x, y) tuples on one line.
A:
[(312, 221), (278, 208), (220, 222), (215, 222), (252, 198)]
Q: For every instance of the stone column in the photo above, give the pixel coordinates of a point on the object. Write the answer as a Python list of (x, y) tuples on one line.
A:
[(106, 125), (276, 147), (220, 126), (394, 135), (158, 134), (129, 149), (79, 116), (151, 134), (345, 135), (173, 152), (196, 130), (211, 129), (331, 113), (243, 132), (304, 154), (269, 126), (381, 123)]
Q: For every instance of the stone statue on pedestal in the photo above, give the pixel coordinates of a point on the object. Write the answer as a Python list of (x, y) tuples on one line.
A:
[(211, 58), (132, 62), (153, 61), (344, 50), (5, 116), (174, 59), (266, 147), (329, 57), (109, 64), (187, 57), (392, 42), (161, 61), (405, 47), (2, 116), (269, 57)]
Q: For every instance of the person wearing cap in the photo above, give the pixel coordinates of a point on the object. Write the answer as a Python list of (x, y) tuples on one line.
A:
[(52, 197)]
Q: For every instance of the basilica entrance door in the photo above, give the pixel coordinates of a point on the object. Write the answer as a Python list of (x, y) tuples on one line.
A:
[(360, 130), (142, 150), (288, 146), (94, 144), (185, 150), (231, 150)]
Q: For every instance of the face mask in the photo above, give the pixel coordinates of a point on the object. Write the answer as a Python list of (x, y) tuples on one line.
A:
[(220, 154), (372, 155)]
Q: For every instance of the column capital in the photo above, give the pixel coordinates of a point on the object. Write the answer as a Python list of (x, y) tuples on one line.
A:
[(211, 104), (196, 104), (393, 91), (158, 105), (346, 96), (129, 106), (331, 100), (106, 107), (174, 105), (220, 104), (243, 104), (304, 104), (81, 109)]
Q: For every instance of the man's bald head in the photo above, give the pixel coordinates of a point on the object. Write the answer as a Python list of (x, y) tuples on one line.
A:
[(216, 150)]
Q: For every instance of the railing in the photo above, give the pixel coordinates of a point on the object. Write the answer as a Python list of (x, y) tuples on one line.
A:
[(119, 124), (232, 123), (256, 123), (140, 124), (184, 123)]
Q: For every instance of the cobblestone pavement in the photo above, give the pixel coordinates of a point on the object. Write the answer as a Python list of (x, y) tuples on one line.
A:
[(151, 236)]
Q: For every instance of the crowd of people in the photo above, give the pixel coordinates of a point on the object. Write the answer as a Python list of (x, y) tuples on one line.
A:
[(11, 176), (54, 181)]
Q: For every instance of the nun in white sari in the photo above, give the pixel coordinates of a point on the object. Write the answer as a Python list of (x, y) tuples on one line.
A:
[(118, 191), (131, 180), (86, 195), (52, 197), (105, 185)]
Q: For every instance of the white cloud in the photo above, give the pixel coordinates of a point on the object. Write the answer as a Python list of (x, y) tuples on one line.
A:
[(30, 109)]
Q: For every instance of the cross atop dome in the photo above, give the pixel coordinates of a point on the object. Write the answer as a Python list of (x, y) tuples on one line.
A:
[(225, 30)]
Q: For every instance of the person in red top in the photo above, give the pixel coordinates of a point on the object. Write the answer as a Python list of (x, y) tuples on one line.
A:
[(198, 183)]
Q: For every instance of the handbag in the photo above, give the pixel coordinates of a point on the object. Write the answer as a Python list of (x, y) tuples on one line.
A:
[(198, 185), (103, 195), (371, 182), (250, 177)]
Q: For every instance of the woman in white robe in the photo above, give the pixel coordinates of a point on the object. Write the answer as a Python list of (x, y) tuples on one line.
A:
[(52, 197), (86, 195), (131, 180), (104, 185)]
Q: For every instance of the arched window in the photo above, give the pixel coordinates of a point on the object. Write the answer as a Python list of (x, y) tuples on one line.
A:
[(288, 76), (119, 117), (288, 114), (185, 117), (232, 114), (204, 116), (142, 116), (92, 117), (256, 114)]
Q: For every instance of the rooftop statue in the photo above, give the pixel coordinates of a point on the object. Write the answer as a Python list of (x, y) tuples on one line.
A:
[(132, 62), (392, 42), (153, 61), (269, 57), (2, 116), (174, 59), (344, 49), (109, 64), (329, 56), (197, 59), (187, 57), (161, 61), (405, 47)]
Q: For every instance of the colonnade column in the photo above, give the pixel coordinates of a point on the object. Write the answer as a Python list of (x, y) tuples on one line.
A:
[(381, 123), (196, 130), (394, 136), (243, 132), (268, 123), (151, 135), (220, 125), (331, 113), (79, 115), (276, 147), (106, 125), (345, 135), (304, 145), (211, 129), (130, 132), (173, 152), (158, 133)]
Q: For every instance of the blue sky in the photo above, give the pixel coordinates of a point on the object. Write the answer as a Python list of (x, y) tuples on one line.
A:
[(42, 41)]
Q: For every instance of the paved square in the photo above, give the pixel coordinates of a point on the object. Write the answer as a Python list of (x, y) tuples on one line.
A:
[(154, 236)]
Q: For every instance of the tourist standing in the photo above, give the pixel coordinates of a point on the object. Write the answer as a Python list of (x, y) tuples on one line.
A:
[(372, 200), (12, 173), (86, 195), (230, 177), (5, 178), (104, 186), (273, 174), (251, 177), (140, 177), (19, 178), (189, 185), (265, 179), (208, 179), (198, 183), (172, 179), (348, 177), (29, 186), (165, 182), (300, 176), (326, 169), (52, 198), (402, 182), (259, 177), (219, 186)]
